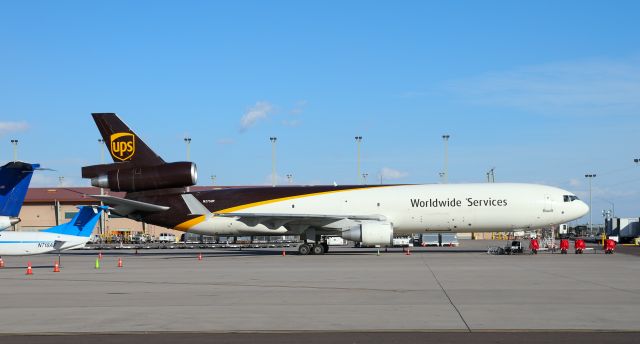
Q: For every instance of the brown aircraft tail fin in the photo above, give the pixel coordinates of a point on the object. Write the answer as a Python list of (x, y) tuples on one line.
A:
[(122, 143)]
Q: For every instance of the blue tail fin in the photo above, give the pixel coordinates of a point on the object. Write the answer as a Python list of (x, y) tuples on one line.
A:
[(14, 182), (82, 224)]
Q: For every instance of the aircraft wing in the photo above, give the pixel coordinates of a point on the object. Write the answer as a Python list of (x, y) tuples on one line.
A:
[(125, 207), (274, 221), (294, 222)]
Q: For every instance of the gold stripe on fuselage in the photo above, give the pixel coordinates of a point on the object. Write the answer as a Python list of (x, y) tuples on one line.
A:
[(184, 226)]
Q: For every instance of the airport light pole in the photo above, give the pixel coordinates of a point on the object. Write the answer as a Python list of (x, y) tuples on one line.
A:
[(102, 214), (187, 140), (213, 179), (441, 174), (613, 208), (14, 142), (358, 141), (445, 138), (590, 177), (101, 145), (60, 181), (491, 177), (364, 178), (273, 140), (290, 178)]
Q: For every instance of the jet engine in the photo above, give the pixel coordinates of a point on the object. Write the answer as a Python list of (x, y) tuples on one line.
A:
[(6, 222), (132, 179), (370, 233)]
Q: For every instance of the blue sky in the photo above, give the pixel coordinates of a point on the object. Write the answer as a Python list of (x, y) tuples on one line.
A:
[(544, 91)]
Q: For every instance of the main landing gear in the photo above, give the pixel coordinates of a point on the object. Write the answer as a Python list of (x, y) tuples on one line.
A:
[(317, 249)]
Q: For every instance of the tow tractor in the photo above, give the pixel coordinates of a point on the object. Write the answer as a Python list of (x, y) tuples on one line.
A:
[(515, 248)]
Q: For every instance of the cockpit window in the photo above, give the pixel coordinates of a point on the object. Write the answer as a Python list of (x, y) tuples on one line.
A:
[(570, 198)]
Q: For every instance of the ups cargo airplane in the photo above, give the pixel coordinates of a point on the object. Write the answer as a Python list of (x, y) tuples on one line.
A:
[(156, 193)]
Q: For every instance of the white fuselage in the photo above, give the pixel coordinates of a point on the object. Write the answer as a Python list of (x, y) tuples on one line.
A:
[(484, 207), (28, 243)]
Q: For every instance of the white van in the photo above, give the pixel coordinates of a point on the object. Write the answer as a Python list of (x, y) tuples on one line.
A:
[(167, 237)]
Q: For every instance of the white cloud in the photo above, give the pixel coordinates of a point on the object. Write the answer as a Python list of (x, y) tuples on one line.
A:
[(291, 123), (255, 113), (389, 174), (587, 87), (294, 114), (299, 107), (9, 127), (575, 182)]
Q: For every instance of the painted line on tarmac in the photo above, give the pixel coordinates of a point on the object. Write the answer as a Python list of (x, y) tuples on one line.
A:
[(446, 294)]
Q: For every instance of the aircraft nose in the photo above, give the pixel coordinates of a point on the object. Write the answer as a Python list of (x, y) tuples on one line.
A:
[(582, 208)]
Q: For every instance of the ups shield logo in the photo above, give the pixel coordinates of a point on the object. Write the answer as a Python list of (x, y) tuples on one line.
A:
[(123, 146)]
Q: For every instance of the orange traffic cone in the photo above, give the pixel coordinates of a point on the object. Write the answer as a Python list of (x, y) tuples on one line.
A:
[(56, 266), (29, 270), (100, 255), (284, 253), (1, 263), (199, 256), (119, 262), (407, 252)]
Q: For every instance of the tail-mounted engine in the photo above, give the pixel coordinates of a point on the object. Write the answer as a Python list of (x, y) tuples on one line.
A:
[(129, 178)]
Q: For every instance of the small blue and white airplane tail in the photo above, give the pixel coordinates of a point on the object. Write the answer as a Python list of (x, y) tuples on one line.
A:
[(82, 224), (14, 182)]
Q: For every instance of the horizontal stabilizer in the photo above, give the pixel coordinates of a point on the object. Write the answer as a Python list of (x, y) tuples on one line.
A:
[(126, 207)]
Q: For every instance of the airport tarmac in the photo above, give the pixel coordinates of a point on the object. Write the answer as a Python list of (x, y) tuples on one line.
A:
[(349, 290)]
